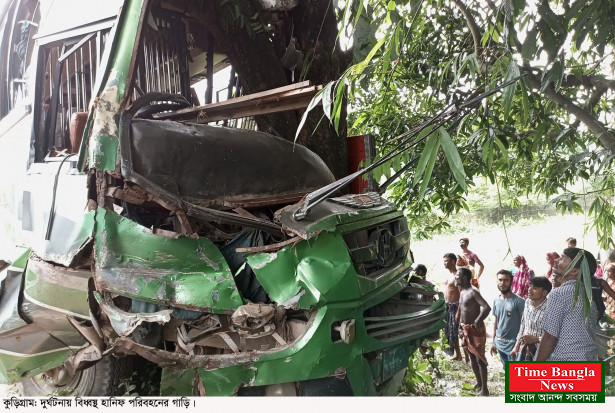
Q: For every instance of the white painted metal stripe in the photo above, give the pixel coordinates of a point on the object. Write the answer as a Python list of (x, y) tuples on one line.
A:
[(59, 310)]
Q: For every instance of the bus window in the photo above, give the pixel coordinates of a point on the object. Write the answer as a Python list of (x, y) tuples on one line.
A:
[(68, 74), (17, 31)]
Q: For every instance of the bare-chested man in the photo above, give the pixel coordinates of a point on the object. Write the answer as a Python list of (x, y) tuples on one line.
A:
[(451, 296), (473, 309)]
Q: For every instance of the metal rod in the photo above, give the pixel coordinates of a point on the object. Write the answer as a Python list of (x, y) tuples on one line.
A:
[(144, 64), (83, 84), (168, 65), (69, 91), (77, 90), (92, 69), (158, 67)]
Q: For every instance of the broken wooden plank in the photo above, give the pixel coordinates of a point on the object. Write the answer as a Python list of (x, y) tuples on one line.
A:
[(292, 97)]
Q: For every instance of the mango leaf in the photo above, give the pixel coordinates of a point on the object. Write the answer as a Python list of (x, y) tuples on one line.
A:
[(326, 100), (313, 103), (430, 164), (425, 155), (339, 99), (525, 103), (509, 91), (551, 42), (553, 75), (530, 46), (487, 152), (586, 277), (453, 158), (503, 150)]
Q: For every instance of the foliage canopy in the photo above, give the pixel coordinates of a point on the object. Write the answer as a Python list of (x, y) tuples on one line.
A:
[(539, 136)]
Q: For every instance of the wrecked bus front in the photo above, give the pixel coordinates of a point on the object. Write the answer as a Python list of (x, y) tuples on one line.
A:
[(154, 232)]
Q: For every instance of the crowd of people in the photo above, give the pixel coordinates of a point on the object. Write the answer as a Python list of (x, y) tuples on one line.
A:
[(535, 317)]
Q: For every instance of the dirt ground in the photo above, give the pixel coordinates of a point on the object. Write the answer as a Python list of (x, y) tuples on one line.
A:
[(457, 377)]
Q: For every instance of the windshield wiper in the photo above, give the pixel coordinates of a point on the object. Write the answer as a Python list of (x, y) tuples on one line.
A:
[(452, 112)]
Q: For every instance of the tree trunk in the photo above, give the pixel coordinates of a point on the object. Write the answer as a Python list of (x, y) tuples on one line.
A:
[(258, 65)]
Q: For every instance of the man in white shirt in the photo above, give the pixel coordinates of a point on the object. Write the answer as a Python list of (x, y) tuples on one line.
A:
[(531, 321)]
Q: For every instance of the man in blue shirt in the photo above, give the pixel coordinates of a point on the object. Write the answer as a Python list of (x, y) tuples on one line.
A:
[(507, 309)]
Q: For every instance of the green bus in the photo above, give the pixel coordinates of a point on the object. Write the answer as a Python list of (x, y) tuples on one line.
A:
[(155, 227)]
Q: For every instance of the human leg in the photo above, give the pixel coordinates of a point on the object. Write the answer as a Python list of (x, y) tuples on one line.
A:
[(476, 370), (483, 374), (504, 357)]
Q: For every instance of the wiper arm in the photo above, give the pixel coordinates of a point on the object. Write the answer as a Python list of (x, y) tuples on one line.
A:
[(451, 111)]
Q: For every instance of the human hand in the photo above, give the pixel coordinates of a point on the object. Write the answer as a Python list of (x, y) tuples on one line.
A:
[(513, 355), (494, 350), (528, 339)]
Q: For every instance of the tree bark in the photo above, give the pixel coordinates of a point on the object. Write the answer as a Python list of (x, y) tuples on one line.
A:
[(258, 65)]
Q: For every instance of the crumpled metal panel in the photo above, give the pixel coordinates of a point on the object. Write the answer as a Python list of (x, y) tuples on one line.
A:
[(253, 316), (124, 322), (208, 165), (37, 347), (101, 146), (183, 272), (320, 267), (326, 216), (72, 227)]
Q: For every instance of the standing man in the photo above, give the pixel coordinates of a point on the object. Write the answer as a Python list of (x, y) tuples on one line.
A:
[(451, 296), (609, 300), (567, 334), (473, 309), (472, 257), (507, 309), (530, 333)]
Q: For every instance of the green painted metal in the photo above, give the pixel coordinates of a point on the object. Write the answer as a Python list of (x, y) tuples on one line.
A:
[(21, 260), (57, 294), (314, 355), (320, 266), (329, 216), (103, 154), (14, 368), (176, 382), (184, 272), (102, 143)]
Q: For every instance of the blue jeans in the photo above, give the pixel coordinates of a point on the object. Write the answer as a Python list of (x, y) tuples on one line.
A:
[(506, 357)]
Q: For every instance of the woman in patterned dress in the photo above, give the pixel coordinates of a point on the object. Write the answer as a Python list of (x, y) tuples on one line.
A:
[(521, 277)]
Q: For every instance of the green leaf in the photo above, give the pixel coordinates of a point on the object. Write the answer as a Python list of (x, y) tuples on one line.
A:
[(339, 99), (430, 164), (509, 91), (487, 152), (313, 103), (530, 46), (326, 100), (553, 75), (425, 155), (551, 42), (453, 158), (503, 149), (525, 104)]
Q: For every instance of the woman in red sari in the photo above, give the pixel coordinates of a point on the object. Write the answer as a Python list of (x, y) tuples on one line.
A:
[(521, 277)]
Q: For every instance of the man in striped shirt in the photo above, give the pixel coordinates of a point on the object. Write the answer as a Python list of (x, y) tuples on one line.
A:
[(531, 321)]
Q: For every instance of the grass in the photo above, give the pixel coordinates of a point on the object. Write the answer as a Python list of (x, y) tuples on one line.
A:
[(530, 238)]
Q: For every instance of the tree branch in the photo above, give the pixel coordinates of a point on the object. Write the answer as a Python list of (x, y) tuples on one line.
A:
[(605, 136), (595, 126), (474, 30)]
